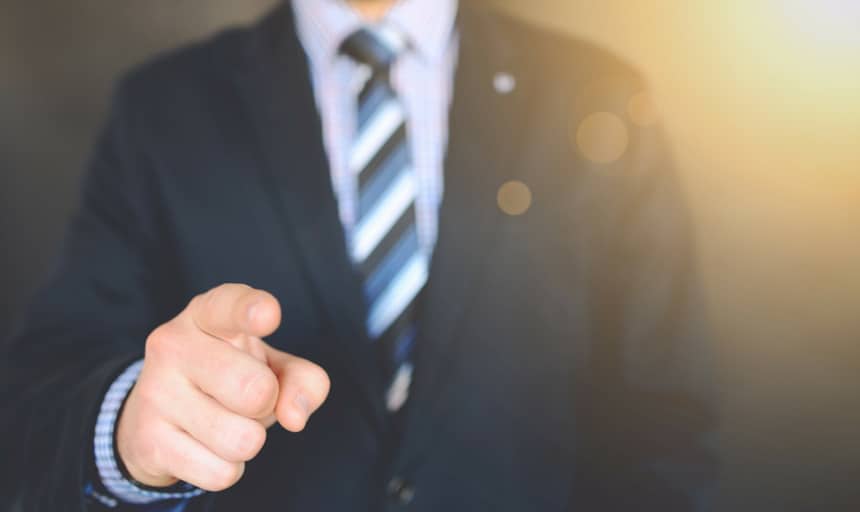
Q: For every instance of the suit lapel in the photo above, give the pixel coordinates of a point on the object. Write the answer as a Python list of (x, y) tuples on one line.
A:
[(278, 90), (484, 140)]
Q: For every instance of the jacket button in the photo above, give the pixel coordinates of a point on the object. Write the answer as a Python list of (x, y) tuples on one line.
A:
[(400, 491)]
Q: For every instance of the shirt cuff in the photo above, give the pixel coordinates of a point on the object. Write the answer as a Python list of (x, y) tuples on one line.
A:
[(121, 487)]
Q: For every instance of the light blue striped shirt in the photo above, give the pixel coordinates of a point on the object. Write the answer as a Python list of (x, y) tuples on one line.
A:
[(423, 78)]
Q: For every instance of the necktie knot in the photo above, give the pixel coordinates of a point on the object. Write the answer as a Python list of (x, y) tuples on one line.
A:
[(375, 49)]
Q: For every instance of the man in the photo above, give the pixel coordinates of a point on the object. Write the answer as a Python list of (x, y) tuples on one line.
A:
[(499, 315)]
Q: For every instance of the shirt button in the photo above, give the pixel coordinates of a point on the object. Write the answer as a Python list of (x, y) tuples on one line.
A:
[(400, 491)]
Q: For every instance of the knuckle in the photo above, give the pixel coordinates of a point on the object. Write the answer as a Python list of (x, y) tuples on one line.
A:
[(147, 396), (242, 343), (210, 298), (197, 300), (147, 448), (153, 394), (204, 305), (160, 342), (248, 441), (197, 304), (155, 342), (216, 294), (222, 476), (258, 391)]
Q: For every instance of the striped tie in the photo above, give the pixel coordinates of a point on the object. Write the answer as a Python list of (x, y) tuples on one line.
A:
[(384, 243)]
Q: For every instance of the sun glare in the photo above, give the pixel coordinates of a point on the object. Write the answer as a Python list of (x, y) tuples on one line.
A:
[(802, 53), (832, 23)]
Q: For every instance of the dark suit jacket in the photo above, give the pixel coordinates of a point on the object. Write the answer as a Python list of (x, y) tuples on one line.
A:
[(558, 351)]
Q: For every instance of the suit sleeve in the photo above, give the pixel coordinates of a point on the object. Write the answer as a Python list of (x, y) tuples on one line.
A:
[(652, 409), (88, 323)]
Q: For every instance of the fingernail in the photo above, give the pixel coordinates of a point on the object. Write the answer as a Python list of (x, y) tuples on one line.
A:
[(303, 404)]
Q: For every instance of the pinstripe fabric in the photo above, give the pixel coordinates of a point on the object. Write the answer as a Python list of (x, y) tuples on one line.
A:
[(422, 78)]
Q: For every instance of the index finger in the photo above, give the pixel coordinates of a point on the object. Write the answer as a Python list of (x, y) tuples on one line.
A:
[(231, 310)]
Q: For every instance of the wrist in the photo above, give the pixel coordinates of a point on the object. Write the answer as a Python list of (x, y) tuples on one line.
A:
[(125, 460), (112, 472)]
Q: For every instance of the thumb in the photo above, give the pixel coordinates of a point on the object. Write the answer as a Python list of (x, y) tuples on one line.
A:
[(304, 387), (231, 311)]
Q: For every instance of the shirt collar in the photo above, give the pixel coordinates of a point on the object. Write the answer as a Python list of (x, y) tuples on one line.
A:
[(324, 24)]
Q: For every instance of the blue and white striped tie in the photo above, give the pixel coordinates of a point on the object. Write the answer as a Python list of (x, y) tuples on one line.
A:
[(384, 244)]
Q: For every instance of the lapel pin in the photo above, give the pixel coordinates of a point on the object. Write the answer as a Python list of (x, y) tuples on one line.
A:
[(505, 83)]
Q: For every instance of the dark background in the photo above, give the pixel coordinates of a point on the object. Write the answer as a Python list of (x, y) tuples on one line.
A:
[(765, 125)]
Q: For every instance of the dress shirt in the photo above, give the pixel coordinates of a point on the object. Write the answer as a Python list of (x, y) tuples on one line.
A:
[(422, 77)]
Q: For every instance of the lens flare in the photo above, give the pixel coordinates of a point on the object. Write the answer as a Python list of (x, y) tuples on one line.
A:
[(834, 23)]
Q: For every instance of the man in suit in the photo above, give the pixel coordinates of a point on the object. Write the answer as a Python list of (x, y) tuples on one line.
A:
[(483, 317)]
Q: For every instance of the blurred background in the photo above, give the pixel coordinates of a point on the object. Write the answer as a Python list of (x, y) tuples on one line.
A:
[(762, 98)]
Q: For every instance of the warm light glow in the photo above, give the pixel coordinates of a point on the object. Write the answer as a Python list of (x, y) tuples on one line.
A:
[(602, 137), (779, 87), (642, 110), (828, 22), (805, 51), (514, 198), (760, 102)]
